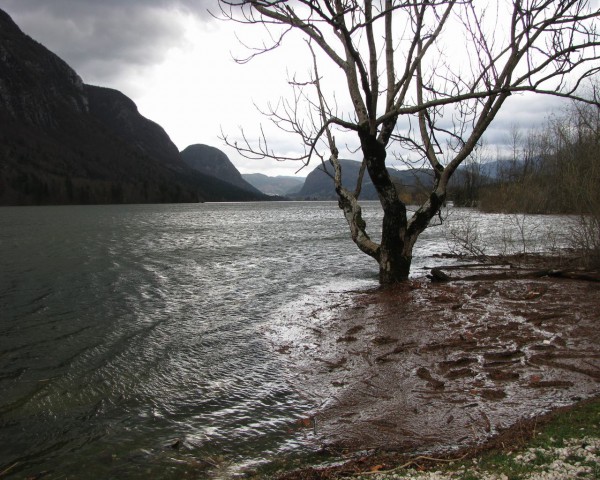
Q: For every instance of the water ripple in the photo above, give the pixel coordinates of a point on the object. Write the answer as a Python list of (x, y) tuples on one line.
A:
[(127, 328)]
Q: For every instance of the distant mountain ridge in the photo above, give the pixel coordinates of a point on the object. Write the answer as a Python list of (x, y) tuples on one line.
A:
[(412, 183), (282, 185), (319, 184), (65, 142)]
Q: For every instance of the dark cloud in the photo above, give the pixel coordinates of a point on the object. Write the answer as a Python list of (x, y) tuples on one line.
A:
[(102, 38)]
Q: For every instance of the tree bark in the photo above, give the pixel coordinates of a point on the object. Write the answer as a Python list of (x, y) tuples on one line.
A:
[(394, 266), (395, 252)]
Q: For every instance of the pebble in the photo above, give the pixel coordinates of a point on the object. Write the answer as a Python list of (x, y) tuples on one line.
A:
[(567, 462)]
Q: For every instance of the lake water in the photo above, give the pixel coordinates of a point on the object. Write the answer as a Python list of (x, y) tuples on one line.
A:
[(127, 331)]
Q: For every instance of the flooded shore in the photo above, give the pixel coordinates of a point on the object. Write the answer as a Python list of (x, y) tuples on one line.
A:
[(426, 368)]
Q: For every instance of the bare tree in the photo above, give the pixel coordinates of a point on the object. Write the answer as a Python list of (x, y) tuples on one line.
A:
[(405, 90)]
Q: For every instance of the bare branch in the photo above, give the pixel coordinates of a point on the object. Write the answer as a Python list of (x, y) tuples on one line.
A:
[(435, 107)]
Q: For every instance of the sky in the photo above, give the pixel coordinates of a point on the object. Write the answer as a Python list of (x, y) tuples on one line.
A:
[(176, 62)]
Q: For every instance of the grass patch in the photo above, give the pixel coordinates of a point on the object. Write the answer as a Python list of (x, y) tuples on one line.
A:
[(563, 436), (582, 420)]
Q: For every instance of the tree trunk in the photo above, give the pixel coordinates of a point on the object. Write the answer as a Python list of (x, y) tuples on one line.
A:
[(394, 267), (395, 252)]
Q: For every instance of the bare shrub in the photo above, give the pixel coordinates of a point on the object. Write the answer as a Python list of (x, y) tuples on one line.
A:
[(585, 238), (464, 238)]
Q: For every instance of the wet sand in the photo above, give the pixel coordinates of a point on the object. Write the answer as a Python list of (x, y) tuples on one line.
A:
[(430, 368)]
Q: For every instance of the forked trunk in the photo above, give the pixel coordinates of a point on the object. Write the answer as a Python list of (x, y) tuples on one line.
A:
[(395, 253)]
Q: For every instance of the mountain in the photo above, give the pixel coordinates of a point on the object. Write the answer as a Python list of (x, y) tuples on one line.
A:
[(212, 161), (65, 142), (280, 185), (319, 185)]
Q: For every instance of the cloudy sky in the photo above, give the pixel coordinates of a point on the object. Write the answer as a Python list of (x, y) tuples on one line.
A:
[(175, 61)]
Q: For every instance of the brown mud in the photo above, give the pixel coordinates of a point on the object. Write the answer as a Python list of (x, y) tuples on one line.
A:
[(430, 368)]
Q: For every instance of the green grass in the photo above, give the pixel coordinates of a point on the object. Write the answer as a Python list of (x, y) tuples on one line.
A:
[(575, 424)]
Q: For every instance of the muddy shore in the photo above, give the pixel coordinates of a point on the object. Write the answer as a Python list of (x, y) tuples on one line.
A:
[(432, 368)]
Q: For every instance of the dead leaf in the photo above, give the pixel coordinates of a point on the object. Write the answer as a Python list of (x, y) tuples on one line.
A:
[(304, 422)]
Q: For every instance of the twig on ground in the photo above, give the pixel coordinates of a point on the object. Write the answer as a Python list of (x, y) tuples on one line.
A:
[(6, 470), (411, 462)]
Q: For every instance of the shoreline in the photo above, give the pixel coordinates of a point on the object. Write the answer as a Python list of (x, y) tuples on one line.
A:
[(519, 440), (434, 367)]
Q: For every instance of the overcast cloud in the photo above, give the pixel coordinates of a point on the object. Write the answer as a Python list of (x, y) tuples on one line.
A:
[(101, 39), (175, 61)]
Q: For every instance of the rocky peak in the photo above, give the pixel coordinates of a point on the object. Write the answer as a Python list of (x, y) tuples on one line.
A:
[(212, 161)]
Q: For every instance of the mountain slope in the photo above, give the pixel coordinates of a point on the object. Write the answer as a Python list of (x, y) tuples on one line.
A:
[(212, 161), (65, 142)]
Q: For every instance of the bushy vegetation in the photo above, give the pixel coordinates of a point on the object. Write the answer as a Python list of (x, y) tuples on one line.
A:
[(556, 170)]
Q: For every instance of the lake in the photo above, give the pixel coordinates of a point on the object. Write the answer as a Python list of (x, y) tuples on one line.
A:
[(132, 337)]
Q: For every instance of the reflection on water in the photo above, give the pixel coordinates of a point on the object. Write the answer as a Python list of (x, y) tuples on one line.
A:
[(127, 328), (131, 336)]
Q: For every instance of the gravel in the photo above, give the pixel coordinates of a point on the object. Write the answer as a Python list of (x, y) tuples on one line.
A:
[(575, 459)]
